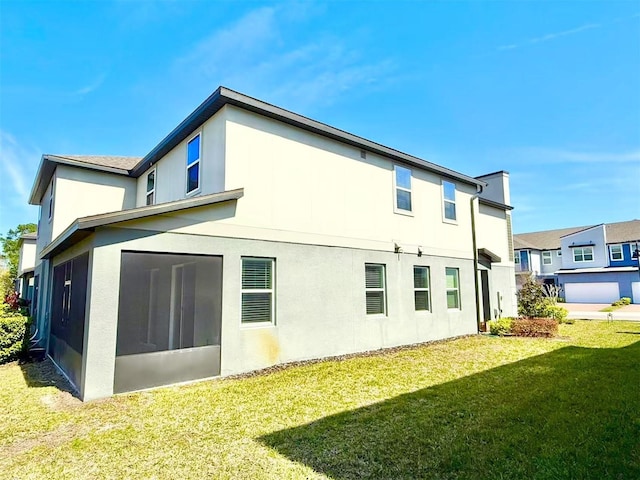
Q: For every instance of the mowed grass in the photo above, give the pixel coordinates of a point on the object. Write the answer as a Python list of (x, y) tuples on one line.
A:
[(472, 408)]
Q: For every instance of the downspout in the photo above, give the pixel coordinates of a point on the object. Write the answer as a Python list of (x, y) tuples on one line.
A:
[(473, 201)]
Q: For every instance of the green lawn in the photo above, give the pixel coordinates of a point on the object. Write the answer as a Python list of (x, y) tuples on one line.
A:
[(472, 408)]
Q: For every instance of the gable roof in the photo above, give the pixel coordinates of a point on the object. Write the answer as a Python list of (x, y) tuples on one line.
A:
[(550, 239), (103, 163), (136, 166)]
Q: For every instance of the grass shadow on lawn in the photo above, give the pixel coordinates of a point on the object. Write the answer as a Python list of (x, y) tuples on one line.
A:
[(43, 373), (571, 413)]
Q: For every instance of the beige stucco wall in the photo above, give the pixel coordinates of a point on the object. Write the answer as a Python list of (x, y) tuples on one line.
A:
[(302, 187), (492, 231), (171, 169), (27, 256), (81, 192)]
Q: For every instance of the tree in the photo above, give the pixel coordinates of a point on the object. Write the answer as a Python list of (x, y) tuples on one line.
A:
[(10, 246), (531, 299)]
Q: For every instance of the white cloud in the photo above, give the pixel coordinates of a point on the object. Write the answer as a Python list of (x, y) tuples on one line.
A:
[(17, 172), (550, 36), (90, 87), (554, 155), (252, 55)]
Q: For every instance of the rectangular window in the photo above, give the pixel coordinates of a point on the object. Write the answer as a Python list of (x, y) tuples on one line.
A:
[(453, 288), (616, 253), (151, 187), (257, 290), (193, 164), (51, 194), (402, 184), (421, 288), (546, 258), (516, 258), (583, 254), (559, 253), (449, 200), (375, 289)]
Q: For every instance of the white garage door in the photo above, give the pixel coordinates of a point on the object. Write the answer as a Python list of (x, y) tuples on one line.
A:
[(635, 288), (605, 292)]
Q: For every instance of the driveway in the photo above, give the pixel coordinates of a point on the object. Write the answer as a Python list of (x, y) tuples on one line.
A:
[(591, 311)]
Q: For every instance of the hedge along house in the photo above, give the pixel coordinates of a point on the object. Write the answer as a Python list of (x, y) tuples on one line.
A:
[(252, 236)]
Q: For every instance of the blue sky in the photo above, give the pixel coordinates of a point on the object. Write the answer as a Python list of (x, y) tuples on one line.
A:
[(549, 91)]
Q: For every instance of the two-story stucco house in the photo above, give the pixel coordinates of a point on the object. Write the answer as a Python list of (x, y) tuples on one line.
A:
[(593, 264), (252, 236)]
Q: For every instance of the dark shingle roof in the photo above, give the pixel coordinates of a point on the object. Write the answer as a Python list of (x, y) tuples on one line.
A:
[(111, 161), (550, 239)]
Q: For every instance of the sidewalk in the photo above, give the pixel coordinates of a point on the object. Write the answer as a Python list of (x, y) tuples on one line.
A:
[(591, 311)]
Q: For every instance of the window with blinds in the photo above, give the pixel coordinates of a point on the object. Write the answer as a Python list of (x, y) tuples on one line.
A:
[(453, 288), (421, 288), (375, 289), (257, 290)]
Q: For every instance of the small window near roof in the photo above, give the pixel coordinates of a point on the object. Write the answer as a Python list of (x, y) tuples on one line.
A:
[(546, 258), (193, 164), (559, 253), (449, 200), (151, 187), (402, 183), (616, 253), (51, 196), (583, 254)]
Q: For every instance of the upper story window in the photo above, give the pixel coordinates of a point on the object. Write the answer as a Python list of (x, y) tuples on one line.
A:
[(151, 187), (449, 201), (375, 289), (193, 164), (583, 254), (51, 196), (559, 253), (546, 258), (402, 184), (516, 258), (616, 253)]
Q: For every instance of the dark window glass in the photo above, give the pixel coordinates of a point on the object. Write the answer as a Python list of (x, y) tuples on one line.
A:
[(193, 177), (193, 150), (168, 302)]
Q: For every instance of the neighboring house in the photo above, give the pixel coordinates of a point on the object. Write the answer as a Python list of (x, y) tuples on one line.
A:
[(596, 264), (252, 236), (26, 267)]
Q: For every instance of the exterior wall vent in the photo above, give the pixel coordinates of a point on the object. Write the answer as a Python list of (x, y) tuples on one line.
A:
[(363, 154)]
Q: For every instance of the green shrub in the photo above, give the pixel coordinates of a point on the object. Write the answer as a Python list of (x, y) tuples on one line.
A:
[(534, 327), (13, 330), (501, 326), (622, 302), (532, 302), (557, 313)]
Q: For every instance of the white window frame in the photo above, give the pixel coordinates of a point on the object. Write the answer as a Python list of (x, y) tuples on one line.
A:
[(516, 257), (582, 253), (271, 291), (445, 201), (559, 253), (51, 197), (192, 164), (547, 255), (153, 190), (396, 187), (383, 289), (422, 289), (457, 289), (611, 253)]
